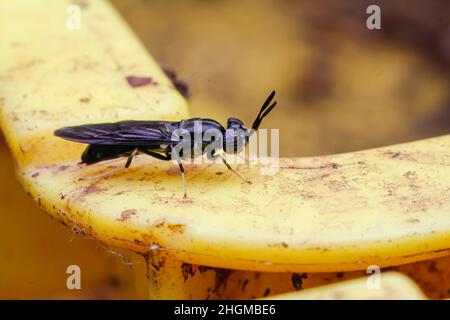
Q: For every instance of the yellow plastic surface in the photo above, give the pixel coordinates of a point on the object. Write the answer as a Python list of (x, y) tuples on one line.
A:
[(383, 206), (392, 286)]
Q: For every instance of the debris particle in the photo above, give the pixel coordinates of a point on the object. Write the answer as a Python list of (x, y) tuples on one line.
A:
[(410, 175), (63, 167), (181, 86), (136, 82), (203, 269), (297, 280), (176, 228), (82, 4), (188, 270), (244, 285), (154, 246), (113, 281), (392, 154), (222, 276), (139, 242)]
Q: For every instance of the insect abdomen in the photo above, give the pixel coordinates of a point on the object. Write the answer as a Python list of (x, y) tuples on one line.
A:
[(96, 153)]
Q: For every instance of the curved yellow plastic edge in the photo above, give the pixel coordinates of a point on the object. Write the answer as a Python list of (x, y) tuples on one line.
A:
[(36, 252), (390, 286), (385, 206)]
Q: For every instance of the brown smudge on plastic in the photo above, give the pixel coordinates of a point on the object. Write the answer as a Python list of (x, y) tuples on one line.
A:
[(127, 214), (92, 188), (187, 270), (25, 65), (63, 168), (244, 285), (81, 3), (280, 245), (412, 175), (222, 276), (297, 280), (137, 82), (203, 269), (174, 171), (181, 86), (174, 227), (139, 242), (392, 154), (398, 155), (185, 200)]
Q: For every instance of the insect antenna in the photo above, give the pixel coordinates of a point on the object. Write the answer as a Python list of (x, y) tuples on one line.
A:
[(265, 109)]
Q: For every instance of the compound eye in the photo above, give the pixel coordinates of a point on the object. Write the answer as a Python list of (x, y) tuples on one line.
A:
[(234, 123)]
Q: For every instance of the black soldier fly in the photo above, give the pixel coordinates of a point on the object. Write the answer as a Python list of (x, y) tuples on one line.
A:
[(108, 141)]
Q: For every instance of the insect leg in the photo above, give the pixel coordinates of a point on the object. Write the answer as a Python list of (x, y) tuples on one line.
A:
[(155, 154), (181, 168), (234, 171), (130, 158)]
